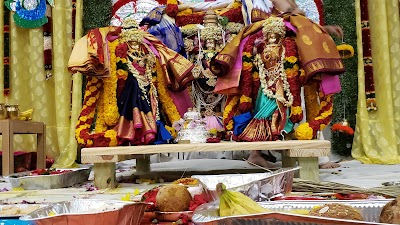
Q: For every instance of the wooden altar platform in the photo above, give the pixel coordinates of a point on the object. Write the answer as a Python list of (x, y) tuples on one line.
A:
[(305, 153)]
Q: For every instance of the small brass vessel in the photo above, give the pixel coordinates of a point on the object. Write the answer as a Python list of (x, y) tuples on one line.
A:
[(3, 111), (13, 112)]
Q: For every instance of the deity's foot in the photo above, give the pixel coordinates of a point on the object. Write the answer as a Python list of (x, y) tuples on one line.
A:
[(260, 161), (329, 165)]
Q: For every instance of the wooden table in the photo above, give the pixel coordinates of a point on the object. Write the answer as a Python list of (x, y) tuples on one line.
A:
[(306, 154), (10, 127)]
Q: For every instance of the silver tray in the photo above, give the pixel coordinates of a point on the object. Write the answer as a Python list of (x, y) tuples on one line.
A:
[(258, 186), (208, 215), (88, 211), (43, 182), (23, 209)]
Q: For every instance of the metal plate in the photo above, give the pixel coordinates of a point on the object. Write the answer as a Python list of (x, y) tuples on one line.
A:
[(207, 214), (16, 211), (43, 182), (258, 186), (88, 211)]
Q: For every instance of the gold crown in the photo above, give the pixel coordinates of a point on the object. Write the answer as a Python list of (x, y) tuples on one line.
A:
[(274, 25), (130, 23), (131, 31)]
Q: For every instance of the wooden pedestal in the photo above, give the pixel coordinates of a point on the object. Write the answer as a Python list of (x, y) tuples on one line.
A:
[(305, 152)]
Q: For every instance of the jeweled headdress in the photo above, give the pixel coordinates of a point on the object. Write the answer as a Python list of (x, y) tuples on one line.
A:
[(131, 32), (274, 25)]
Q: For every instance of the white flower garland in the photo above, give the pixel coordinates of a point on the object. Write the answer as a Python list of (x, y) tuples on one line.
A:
[(273, 74)]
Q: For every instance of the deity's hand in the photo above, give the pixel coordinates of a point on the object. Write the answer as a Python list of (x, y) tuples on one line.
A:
[(334, 30), (298, 11)]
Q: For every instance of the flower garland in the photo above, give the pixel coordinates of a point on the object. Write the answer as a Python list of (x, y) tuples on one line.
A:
[(230, 111), (109, 96), (308, 130), (189, 30), (86, 118), (172, 8), (234, 28), (278, 73), (246, 81), (291, 67), (166, 101)]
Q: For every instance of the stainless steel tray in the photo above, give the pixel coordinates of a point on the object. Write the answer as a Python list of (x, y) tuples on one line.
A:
[(258, 186), (43, 182), (207, 214), (88, 211)]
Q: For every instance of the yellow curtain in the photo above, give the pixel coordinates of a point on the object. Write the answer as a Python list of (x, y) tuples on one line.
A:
[(51, 99), (377, 136), (68, 155)]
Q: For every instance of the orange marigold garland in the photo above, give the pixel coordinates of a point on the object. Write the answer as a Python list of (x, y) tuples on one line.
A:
[(246, 81), (230, 111), (83, 133), (167, 103), (109, 95), (291, 66)]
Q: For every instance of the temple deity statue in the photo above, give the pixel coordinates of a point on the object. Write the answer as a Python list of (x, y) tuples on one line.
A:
[(130, 96)]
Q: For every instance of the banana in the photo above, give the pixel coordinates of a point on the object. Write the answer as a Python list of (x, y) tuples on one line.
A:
[(233, 203), (26, 115)]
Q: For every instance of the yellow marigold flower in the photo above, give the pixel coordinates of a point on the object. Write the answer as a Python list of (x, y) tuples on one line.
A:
[(92, 100), (122, 73), (322, 126), (92, 88), (244, 98), (83, 118), (292, 59), (172, 2), (247, 65), (236, 5), (112, 134), (247, 54), (297, 110), (229, 126), (296, 67), (185, 12), (304, 132), (89, 143), (256, 76), (302, 72)]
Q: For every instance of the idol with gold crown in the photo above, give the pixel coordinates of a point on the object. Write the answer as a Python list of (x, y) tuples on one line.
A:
[(133, 81), (202, 43)]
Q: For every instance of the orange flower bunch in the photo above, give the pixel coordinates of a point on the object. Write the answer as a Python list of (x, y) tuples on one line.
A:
[(308, 130)]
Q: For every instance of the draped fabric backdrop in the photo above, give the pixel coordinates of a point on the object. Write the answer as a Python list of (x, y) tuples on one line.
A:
[(51, 99), (68, 155), (376, 138)]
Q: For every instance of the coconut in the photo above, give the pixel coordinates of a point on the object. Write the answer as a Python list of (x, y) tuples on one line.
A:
[(391, 212), (173, 198), (337, 211)]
